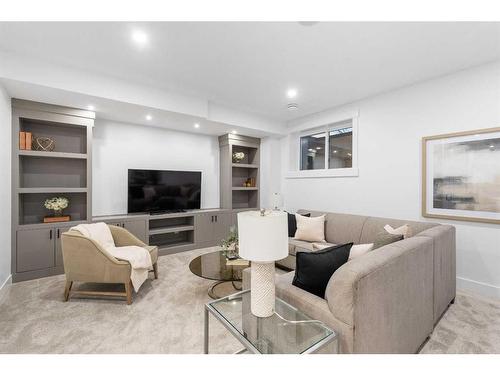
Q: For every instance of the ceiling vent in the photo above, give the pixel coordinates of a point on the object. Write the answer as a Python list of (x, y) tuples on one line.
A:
[(292, 106)]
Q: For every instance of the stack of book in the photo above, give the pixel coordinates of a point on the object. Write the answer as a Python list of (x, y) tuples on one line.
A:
[(25, 140)]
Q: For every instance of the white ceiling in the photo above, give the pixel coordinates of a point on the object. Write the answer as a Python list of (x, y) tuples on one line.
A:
[(250, 65)]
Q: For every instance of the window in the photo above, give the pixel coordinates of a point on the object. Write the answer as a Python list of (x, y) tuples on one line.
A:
[(312, 150), (339, 143), (340, 148)]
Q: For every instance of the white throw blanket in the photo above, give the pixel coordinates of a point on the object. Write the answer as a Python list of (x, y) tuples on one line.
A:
[(138, 257)]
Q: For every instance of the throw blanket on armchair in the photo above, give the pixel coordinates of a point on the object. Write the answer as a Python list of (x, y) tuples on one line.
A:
[(138, 257)]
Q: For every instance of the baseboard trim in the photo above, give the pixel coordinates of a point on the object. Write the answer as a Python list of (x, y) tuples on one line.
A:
[(477, 287), (3, 287)]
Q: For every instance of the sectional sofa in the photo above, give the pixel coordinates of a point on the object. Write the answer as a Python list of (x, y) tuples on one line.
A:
[(388, 300)]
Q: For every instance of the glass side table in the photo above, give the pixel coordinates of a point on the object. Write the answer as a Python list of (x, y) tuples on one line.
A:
[(288, 331)]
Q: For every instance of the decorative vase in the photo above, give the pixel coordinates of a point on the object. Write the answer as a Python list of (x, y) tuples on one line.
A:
[(58, 213)]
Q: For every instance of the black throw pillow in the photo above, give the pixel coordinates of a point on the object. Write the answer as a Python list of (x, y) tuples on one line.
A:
[(314, 270), (292, 223)]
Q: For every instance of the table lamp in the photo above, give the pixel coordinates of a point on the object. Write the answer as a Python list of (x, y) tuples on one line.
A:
[(263, 239)]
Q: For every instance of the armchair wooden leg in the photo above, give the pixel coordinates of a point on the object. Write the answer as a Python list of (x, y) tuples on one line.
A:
[(155, 269), (67, 289), (128, 291)]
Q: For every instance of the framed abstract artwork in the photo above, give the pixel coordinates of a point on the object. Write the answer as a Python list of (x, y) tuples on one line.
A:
[(461, 176)]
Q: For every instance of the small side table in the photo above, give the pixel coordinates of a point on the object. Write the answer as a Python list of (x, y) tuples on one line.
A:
[(288, 331)]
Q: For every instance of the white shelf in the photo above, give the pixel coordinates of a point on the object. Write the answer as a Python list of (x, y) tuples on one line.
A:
[(180, 228), (52, 154)]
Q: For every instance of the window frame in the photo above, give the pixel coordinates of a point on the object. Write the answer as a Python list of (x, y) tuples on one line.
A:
[(326, 125)]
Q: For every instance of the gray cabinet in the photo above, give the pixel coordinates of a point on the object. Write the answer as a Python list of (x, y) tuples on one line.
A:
[(35, 249), (58, 246), (138, 228), (221, 227), (211, 228)]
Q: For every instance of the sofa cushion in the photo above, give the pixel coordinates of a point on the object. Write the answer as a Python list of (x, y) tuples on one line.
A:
[(314, 270), (310, 228), (292, 223), (344, 228), (297, 245)]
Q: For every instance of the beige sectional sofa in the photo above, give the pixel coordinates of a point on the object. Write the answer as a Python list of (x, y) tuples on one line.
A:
[(386, 301)]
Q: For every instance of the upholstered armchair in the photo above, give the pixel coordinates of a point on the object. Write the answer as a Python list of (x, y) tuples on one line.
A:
[(86, 261)]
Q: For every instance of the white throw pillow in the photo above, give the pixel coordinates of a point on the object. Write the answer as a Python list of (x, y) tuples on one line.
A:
[(358, 250), (403, 230), (321, 245), (310, 229)]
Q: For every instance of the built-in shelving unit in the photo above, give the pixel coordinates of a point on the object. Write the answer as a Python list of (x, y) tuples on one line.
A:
[(171, 230), (38, 175), (235, 174)]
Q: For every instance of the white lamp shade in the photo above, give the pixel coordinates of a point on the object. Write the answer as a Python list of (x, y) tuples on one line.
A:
[(263, 238)]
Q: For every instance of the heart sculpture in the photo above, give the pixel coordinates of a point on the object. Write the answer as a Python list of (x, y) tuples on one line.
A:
[(44, 144)]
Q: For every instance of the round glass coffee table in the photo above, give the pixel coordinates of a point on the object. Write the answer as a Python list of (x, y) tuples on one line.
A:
[(226, 272)]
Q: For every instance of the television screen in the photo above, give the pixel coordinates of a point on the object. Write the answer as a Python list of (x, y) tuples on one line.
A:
[(157, 191)]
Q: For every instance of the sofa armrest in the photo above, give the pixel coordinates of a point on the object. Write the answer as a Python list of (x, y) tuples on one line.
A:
[(387, 296), (123, 237), (85, 260), (445, 278)]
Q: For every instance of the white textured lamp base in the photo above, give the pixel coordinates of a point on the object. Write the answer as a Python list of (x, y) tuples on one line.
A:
[(262, 289)]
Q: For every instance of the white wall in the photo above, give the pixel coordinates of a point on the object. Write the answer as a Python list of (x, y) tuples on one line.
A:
[(389, 184), (119, 146), (270, 170), (5, 188)]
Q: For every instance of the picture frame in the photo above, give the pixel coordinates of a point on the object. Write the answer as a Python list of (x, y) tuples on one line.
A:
[(461, 176)]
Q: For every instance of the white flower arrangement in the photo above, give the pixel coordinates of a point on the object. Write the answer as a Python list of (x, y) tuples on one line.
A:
[(238, 156), (56, 203)]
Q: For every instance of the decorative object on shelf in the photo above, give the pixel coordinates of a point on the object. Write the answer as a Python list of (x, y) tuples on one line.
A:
[(238, 157), (263, 239), (44, 144), (29, 140), (250, 182), (56, 204), (460, 176), (22, 140), (230, 244)]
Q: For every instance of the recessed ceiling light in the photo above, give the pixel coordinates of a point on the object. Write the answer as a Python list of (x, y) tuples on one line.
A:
[(90, 107), (140, 37), (318, 148), (234, 132), (291, 93), (334, 151), (292, 106), (196, 125), (149, 117)]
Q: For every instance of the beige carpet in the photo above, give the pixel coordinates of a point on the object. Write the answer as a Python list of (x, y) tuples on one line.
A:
[(167, 317)]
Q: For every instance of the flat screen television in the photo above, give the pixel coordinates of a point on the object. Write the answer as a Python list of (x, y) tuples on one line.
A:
[(163, 191)]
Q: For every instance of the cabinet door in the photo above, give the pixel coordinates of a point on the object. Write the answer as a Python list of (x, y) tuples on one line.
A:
[(203, 229), (138, 229), (35, 249), (221, 227), (58, 255)]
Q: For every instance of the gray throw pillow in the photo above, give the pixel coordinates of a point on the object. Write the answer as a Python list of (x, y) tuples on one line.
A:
[(384, 238)]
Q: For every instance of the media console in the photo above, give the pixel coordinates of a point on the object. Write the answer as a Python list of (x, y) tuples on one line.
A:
[(176, 232)]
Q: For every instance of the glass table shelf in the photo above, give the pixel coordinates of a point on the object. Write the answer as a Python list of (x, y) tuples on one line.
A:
[(287, 331)]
